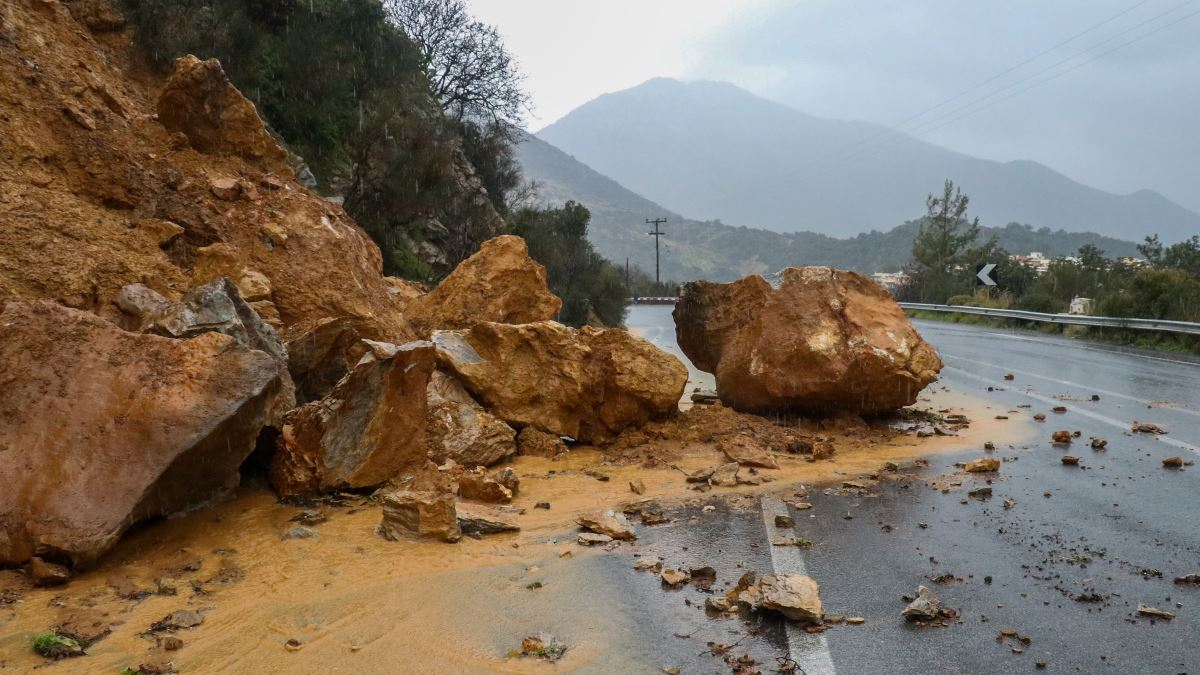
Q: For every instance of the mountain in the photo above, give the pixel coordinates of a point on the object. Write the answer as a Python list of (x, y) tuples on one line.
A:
[(695, 249), (713, 151)]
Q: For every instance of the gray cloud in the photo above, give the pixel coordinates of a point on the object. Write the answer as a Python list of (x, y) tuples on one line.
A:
[(1123, 122)]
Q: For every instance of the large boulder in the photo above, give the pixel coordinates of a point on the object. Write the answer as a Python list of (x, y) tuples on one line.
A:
[(200, 102), (588, 384), (367, 430), (461, 430), (499, 283), (101, 428), (820, 340)]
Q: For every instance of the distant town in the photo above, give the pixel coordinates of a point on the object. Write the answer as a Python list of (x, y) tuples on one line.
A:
[(1035, 261)]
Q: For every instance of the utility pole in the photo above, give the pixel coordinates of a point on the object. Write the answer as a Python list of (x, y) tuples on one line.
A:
[(656, 234)]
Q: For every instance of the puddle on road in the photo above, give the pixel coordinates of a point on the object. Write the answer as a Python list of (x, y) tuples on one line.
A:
[(358, 603)]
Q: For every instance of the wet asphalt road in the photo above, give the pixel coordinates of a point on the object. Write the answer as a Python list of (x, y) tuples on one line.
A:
[(1106, 532)]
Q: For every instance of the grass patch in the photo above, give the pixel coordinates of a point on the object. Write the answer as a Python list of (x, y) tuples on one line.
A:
[(551, 652), (54, 646)]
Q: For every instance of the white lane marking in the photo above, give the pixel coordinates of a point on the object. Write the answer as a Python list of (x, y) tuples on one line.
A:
[(1068, 383), (1148, 357), (1123, 426), (810, 650)]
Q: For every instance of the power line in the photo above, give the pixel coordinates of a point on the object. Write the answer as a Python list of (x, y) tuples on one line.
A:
[(893, 127), (951, 117), (1071, 69)]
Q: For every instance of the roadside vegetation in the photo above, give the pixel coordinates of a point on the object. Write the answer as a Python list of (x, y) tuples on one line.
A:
[(947, 252), (591, 287)]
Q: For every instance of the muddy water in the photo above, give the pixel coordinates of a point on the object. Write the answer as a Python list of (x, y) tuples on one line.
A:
[(358, 603)]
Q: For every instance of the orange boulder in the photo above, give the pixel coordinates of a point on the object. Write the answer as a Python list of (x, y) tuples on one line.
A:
[(499, 283), (819, 341), (588, 384), (101, 428)]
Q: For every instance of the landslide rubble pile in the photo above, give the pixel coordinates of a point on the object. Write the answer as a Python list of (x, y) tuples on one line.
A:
[(173, 302)]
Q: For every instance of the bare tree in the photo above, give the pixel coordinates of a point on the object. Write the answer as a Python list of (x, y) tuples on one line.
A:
[(470, 71)]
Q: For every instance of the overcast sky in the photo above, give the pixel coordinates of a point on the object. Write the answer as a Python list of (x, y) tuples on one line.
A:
[(1120, 122)]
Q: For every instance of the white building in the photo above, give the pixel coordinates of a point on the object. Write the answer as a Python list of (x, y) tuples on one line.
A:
[(1035, 261), (890, 280)]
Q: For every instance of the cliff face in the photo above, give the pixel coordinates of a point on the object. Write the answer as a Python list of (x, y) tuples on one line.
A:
[(110, 177)]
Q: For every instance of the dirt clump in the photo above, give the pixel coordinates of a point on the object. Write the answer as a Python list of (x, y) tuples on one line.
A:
[(84, 626), (752, 437), (746, 451), (1147, 428), (982, 465)]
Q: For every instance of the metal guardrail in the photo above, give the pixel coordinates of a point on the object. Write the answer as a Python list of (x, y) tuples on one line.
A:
[(1071, 319)]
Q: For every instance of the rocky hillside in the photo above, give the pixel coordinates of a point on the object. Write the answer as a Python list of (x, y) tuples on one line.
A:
[(709, 150), (712, 250)]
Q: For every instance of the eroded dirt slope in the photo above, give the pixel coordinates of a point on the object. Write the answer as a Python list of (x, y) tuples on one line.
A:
[(96, 193)]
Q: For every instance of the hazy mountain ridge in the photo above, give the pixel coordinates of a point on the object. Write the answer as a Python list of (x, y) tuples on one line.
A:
[(694, 249), (711, 150)]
